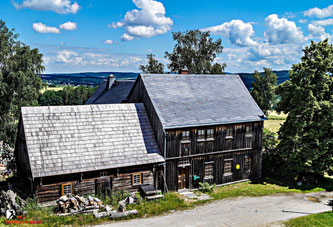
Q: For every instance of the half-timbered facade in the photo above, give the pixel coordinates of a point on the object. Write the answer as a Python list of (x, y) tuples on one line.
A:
[(208, 127)]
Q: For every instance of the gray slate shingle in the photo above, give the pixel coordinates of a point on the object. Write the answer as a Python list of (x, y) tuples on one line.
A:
[(71, 139), (194, 100)]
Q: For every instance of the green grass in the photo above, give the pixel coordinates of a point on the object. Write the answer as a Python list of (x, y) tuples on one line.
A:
[(318, 220), (170, 202), (274, 121)]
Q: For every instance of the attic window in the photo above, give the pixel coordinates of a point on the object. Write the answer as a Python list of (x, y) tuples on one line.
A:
[(248, 132), (201, 134), (210, 133), (103, 174), (228, 134), (136, 179), (66, 189), (186, 135)]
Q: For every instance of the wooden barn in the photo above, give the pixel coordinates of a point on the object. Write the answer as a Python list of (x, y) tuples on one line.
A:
[(86, 149), (208, 127)]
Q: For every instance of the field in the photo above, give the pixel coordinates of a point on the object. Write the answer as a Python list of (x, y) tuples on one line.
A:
[(318, 220), (57, 88), (274, 121)]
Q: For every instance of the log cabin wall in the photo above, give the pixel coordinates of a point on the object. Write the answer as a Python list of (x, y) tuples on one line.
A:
[(48, 189), (237, 147), (140, 94)]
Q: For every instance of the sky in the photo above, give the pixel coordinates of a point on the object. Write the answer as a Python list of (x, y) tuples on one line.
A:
[(107, 35)]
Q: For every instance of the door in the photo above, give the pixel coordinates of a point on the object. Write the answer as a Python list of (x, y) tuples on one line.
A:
[(183, 178)]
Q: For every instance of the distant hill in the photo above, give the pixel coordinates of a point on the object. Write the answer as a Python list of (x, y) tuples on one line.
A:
[(95, 78)]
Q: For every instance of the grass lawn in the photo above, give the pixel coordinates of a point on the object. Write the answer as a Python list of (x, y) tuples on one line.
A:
[(171, 201), (274, 121), (318, 220)]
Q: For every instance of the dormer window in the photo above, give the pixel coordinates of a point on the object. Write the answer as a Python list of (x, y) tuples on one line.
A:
[(186, 135)]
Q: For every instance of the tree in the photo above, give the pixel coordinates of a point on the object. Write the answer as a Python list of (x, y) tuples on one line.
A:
[(218, 68), (153, 65), (194, 50), (263, 89), (19, 80), (306, 138), (51, 98)]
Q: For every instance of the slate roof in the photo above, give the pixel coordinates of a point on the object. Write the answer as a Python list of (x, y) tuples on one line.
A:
[(195, 100), (118, 92), (70, 139)]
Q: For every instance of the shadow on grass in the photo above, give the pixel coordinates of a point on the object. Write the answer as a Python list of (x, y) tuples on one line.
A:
[(323, 184)]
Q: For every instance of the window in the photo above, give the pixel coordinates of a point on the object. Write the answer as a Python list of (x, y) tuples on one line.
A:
[(210, 133), (247, 164), (137, 179), (248, 132), (184, 162), (186, 135), (66, 189), (184, 149), (227, 167), (209, 170), (103, 174), (201, 134), (228, 134)]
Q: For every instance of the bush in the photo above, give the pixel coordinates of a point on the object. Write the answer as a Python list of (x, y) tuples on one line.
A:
[(206, 187)]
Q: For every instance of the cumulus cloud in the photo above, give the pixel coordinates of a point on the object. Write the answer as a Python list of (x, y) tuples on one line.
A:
[(108, 41), (317, 32), (57, 6), (320, 13), (238, 32), (323, 22), (146, 21), (280, 31), (42, 28), (302, 21), (126, 37), (69, 26), (68, 57)]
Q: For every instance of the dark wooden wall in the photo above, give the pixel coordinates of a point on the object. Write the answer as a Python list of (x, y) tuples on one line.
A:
[(215, 151), (49, 188), (140, 94)]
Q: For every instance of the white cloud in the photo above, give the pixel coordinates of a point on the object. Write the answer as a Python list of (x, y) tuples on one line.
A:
[(68, 57), (281, 31), (317, 32), (238, 32), (323, 22), (147, 21), (108, 41), (69, 26), (320, 13), (302, 21), (126, 37), (42, 28), (58, 6)]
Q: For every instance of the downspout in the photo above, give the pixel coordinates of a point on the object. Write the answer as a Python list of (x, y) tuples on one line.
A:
[(164, 154)]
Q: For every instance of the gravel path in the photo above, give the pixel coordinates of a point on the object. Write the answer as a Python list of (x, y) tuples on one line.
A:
[(241, 211)]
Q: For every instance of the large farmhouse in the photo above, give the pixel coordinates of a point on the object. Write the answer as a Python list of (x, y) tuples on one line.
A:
[(208, 127), (176, 131)]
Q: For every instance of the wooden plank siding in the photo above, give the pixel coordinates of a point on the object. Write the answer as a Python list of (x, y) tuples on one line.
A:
[(48, 189), (215, 151)]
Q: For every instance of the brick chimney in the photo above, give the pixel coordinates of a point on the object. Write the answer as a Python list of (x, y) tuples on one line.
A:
[(110, 81)]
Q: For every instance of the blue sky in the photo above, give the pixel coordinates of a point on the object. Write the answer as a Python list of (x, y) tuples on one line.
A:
[(106, 35)]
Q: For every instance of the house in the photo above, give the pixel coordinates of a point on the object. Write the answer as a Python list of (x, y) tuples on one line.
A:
[(207, 127), (111, 91), (86, 149)]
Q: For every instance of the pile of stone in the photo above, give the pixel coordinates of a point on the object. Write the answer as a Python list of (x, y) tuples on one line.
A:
[(11, 204), (69, 204)]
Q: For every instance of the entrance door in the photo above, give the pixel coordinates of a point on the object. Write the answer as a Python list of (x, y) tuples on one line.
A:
[(183, 178)]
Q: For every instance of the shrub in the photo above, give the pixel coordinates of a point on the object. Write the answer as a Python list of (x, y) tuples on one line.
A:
[(206, 187)]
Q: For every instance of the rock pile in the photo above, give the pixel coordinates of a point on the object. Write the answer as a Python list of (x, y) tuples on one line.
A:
[(12, 203), (69, 204)]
